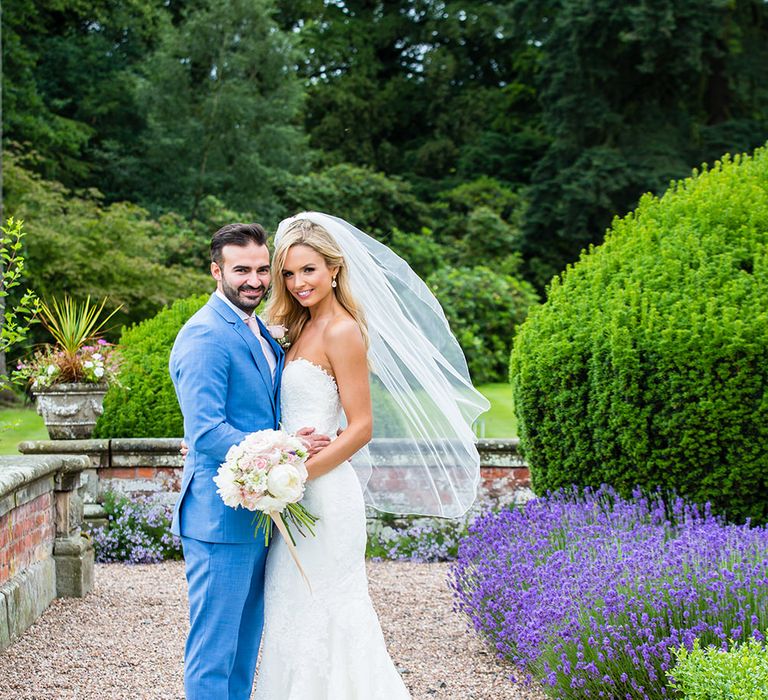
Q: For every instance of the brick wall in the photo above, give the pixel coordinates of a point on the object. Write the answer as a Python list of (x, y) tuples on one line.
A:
[(26, 535), (43, 552), (153, 466)]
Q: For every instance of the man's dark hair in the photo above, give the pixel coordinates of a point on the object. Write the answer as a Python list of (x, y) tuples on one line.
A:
[(236, 234)]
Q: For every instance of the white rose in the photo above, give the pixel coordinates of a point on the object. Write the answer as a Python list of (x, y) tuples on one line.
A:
[(285, 483), (99, 372), (87, 364), (267, 504), (97, 356)]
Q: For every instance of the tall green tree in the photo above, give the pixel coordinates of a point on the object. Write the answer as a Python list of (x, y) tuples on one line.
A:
[(435, 91), (68, 69), (222, 104), (77, 244), (633, 94)]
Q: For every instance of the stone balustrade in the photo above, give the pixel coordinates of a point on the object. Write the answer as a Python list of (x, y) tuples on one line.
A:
[(153, 466), (43, 552)]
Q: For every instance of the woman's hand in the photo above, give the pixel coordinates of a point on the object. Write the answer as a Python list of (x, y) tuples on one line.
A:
[(315, 441)]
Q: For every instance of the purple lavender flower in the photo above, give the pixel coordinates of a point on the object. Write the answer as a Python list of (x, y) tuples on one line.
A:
[(580, 588), (137, 531)]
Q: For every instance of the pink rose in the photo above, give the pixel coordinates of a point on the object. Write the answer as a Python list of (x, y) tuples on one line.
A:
[(277, 332)]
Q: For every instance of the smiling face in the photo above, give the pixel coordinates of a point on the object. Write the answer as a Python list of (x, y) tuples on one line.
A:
[(307, 276), (243, 274)]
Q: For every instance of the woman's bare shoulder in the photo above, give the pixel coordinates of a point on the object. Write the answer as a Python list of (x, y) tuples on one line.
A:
[(342, 328), (343, 339)]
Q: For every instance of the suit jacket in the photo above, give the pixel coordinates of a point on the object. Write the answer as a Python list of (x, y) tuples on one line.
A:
[(225, 390)]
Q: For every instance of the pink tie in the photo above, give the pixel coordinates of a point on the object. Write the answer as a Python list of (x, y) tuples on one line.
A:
[(253, 324)]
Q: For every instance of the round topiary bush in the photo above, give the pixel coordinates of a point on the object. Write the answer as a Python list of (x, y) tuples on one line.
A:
[(145, 404), (648, 364)]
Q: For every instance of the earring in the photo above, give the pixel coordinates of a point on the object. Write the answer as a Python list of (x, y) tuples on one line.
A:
[(333, 284)]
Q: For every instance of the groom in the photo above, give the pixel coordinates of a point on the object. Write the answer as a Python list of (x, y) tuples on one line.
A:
[(226, 371)]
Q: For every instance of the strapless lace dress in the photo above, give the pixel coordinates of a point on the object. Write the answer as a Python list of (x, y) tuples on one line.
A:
[(327, 644)]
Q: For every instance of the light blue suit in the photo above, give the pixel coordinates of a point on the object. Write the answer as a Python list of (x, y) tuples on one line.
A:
[(225, 390)]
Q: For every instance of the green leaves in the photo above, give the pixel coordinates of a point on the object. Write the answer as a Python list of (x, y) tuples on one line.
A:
[(145, 405), (648, 364), (633, 95), (73, 324), (741, 673), (484, 308), (79, 246), (221, 110), (16, 317)]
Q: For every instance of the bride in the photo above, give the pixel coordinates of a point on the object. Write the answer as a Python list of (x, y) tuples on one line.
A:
[(359, 322)]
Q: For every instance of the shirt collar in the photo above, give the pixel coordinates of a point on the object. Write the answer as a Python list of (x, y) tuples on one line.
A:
[(234, 308)]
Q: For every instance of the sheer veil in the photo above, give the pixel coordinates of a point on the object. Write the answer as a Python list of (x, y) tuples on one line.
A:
[(422, 458)]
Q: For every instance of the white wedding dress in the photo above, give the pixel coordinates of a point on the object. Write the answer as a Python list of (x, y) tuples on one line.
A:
[(327, 644)]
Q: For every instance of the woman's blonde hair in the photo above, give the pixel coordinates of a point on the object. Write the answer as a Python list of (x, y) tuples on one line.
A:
[(283, 308)]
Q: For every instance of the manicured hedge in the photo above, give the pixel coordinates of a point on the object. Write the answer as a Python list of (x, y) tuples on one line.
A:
[(741, 673), (649, 362), (145, 405)]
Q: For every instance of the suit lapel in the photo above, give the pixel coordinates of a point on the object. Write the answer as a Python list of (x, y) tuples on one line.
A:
[(250, 340), (280, 357)]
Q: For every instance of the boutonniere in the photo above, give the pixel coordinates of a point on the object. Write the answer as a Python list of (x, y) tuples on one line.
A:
[(279, 334)]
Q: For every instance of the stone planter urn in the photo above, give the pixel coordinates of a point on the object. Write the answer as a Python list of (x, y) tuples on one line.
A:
[(70, 411)]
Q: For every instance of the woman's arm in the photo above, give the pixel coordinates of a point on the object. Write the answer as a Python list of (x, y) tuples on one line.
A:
[(346, 352)]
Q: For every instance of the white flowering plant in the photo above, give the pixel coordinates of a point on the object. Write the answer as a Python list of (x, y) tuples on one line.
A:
[(78, 354), (92, 364), (266, 473)]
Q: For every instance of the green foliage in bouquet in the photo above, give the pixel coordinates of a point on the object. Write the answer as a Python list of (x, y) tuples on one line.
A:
[(741, 673), (648, 364), (484, 308), (145, 405)]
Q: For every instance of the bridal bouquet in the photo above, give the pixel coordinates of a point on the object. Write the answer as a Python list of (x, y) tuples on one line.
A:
[(266, 473)]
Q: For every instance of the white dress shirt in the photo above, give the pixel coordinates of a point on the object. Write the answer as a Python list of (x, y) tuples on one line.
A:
[(266, 348)]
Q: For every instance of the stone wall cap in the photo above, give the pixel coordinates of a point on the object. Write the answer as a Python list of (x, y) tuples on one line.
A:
[(18, 470), (47, 447), (162, 445), (498, 443)]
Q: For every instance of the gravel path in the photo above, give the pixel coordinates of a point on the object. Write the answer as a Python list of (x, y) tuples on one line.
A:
[(125, 640)]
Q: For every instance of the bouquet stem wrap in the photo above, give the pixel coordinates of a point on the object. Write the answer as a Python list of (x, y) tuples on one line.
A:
[(277, 519)]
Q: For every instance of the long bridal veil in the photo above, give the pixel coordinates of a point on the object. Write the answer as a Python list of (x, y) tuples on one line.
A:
[(422, 459)]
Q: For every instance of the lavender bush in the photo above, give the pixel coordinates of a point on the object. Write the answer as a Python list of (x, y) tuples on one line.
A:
[(428, 539), (415, 539), (137, 531), (590, 592)]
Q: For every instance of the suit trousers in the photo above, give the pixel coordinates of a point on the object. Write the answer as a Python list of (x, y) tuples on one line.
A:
[(226, 615)]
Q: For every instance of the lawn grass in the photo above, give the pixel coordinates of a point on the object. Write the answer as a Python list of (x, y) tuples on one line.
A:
[(500, 421), (17, 424)]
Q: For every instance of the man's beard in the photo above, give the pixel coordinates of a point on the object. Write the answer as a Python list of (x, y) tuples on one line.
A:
[(244, 303)]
